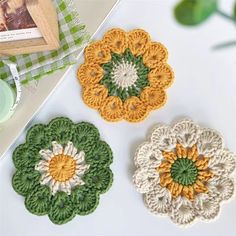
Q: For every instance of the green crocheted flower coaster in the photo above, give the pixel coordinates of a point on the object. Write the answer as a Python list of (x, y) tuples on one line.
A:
[(62, 168)]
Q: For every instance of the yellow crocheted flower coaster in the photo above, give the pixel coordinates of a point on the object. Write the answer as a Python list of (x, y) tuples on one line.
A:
[(125, 75)]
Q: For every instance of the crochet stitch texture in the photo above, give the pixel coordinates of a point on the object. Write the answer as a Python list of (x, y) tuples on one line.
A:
[(185, 172), (125, 75), (61, 169)]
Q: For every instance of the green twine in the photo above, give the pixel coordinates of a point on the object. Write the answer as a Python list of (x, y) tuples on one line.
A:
[(184, 171), (137, 87)]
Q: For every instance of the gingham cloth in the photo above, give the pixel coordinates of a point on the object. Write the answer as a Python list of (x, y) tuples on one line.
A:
[(73, 37)]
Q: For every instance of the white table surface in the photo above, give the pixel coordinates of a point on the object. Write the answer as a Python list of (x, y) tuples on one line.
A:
[(204, 89)]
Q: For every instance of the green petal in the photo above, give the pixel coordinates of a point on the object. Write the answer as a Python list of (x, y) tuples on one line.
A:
[(100, 179), (85, 200), (62, 209), (23, 183), (194, 12), (85, 136), (61, 130), (116, 58), (38, 202), (25, 157), (101, 155), (38, 137), (107, 67)]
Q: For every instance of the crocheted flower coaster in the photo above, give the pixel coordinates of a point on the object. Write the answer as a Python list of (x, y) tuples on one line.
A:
[(62, 168), (184, 171), (125, 75)]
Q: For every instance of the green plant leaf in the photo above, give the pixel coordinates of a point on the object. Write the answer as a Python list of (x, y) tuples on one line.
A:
[(234, 10), (194, 12)]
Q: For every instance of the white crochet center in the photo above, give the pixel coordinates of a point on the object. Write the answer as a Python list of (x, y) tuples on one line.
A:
[(124, 74)]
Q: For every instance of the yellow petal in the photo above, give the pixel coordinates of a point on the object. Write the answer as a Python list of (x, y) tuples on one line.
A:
[(90, 74), (164, 167), (193, 153), (202, 163), (94, 95), (117, 40), (181, 151), (135, 110), (176, 190), (112, 109), (153, 97), (169, 156), (199, 187), (139, 41), (205, 175), (97, 52), (165, 179), (188, 192), (155, 54)]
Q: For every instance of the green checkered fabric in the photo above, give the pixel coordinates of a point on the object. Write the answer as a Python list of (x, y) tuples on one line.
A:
[(73, 37)]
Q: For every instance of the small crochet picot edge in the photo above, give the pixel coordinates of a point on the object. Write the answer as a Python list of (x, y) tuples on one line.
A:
[(62, 169), (125, 75)]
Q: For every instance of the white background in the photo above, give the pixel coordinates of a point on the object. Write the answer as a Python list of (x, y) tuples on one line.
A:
[(204, 90)]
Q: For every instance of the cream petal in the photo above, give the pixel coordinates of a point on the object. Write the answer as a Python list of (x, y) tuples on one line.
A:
[(74, 151), (163, 138), (79, 157), (80, 182), (224, 187), (182, 211), (65, 187), (57, 148), (45, 179), (55, 186), (42, 166), (145, 179), (158, 201), (223, 163), (76, 180), (187, 132), (209, 142), (81, 169), (46, 154), (206, 206), (68, 149), (147, 155)]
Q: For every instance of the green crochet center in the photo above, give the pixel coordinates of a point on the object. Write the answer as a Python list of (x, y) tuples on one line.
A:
[(184, 171), (137, 87)]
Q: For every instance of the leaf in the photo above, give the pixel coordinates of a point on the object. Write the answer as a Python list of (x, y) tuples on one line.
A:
[(234, 10), (225, 45), (194, 12)]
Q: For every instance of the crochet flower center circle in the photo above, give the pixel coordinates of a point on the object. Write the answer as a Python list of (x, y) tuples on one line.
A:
[(62, 167), (124, 74), (184, 171)]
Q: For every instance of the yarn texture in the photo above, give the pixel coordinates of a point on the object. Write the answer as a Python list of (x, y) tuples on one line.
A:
[(184, 172), (62, 169), (125, 75)]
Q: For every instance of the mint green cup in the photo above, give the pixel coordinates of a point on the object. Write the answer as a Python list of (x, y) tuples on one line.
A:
[(7, 100)]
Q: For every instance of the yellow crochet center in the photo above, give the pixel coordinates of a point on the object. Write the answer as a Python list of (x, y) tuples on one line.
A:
[(62, 167), (199, 162)]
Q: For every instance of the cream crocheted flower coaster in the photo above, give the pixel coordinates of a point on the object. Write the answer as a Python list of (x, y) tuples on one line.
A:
[(185, 172)]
